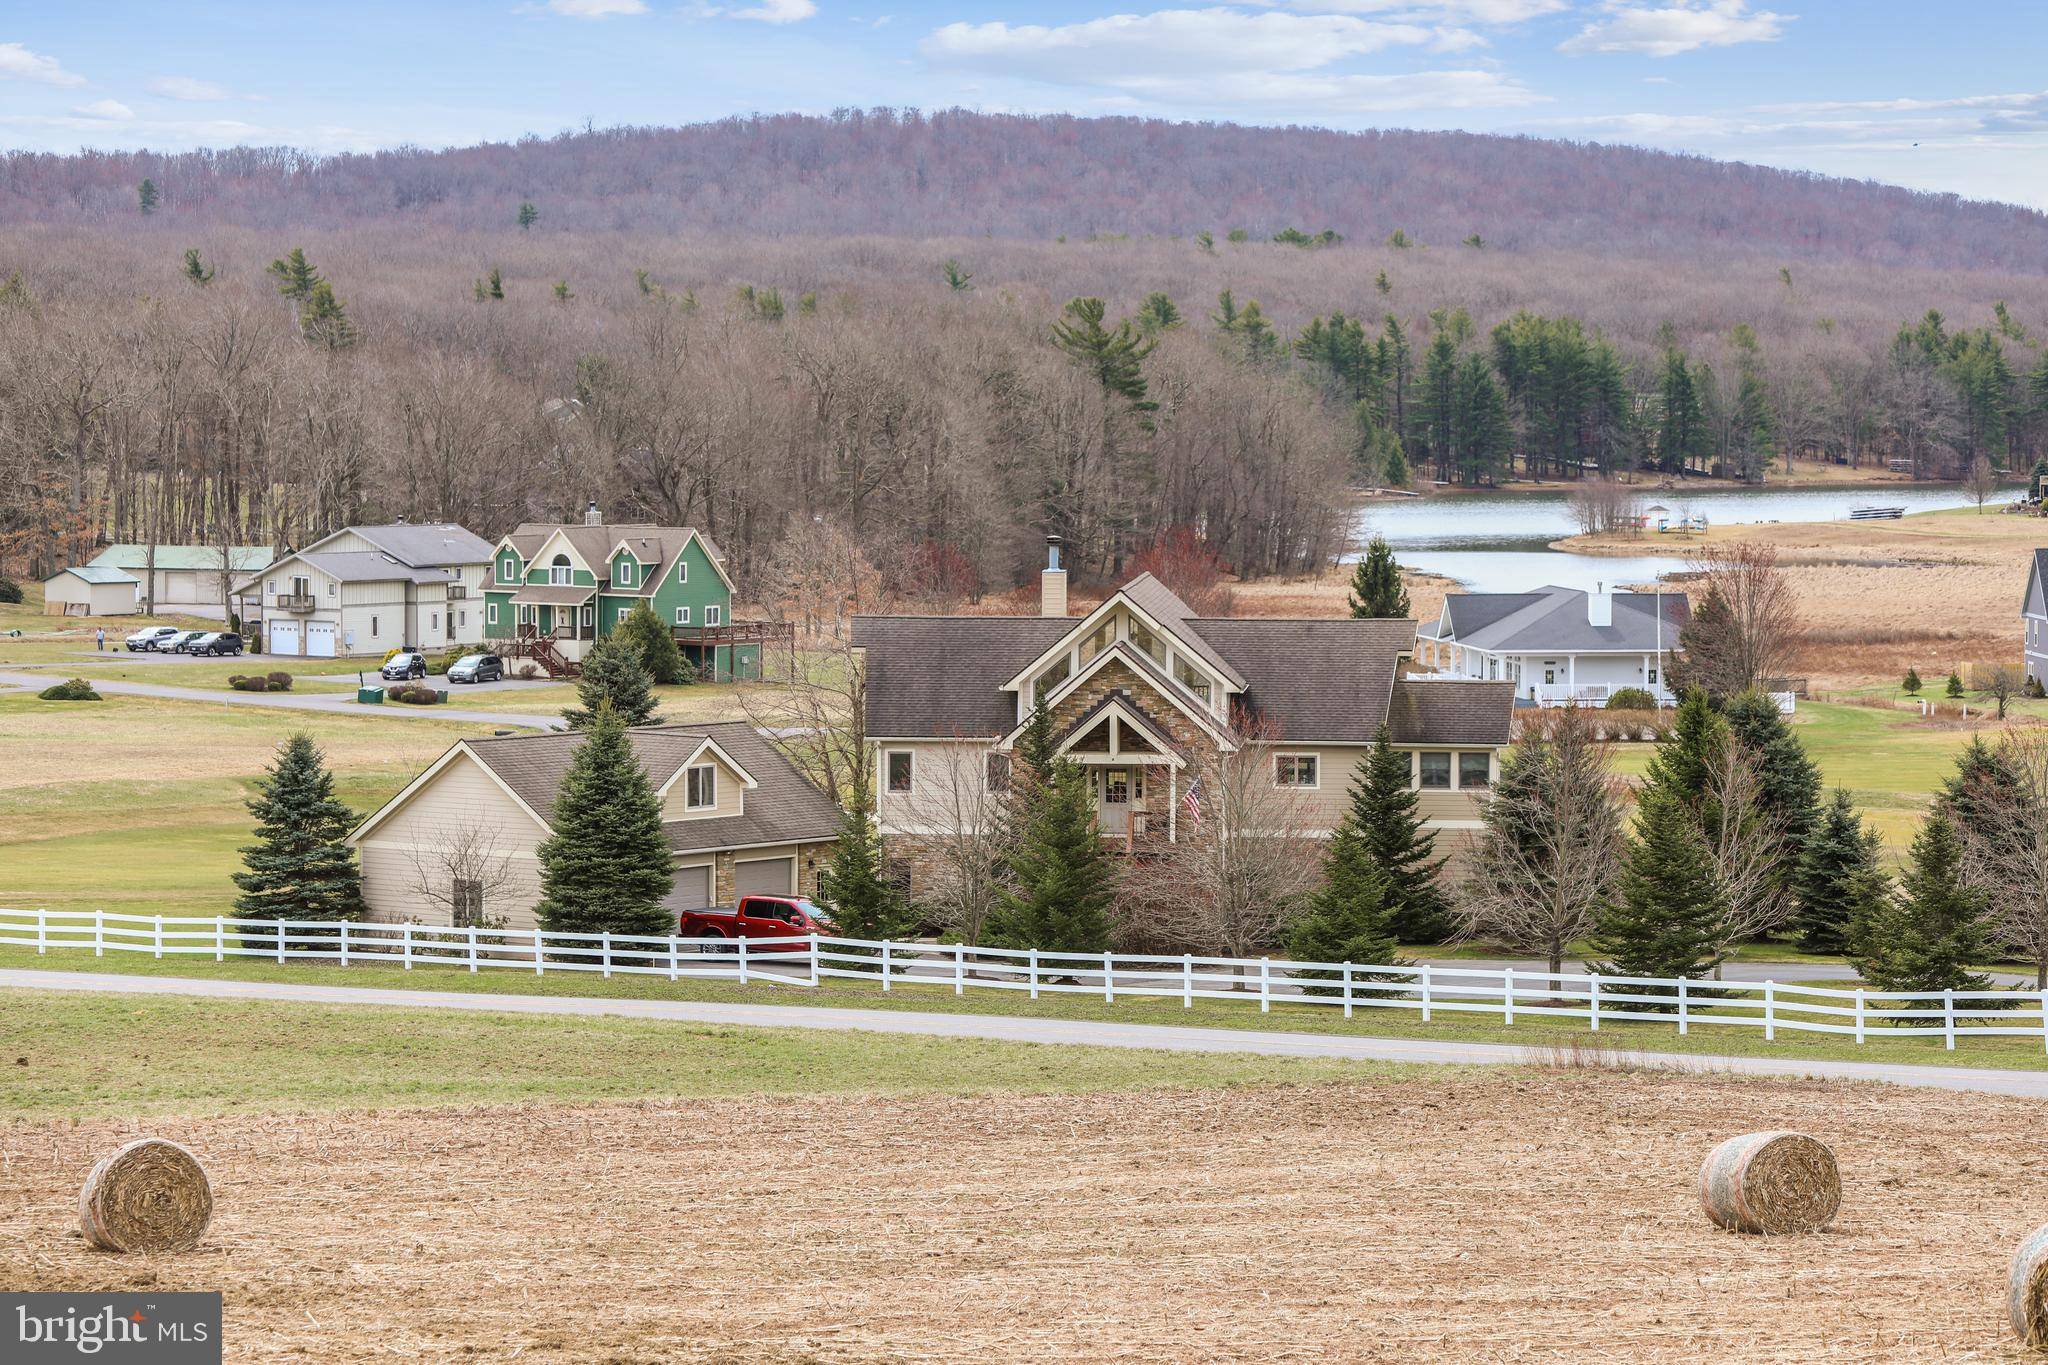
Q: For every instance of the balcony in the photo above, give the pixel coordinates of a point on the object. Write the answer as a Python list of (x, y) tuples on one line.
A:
[(297, 603)]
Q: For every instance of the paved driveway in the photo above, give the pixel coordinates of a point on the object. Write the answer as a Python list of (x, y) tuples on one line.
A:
[(1155, 1037), (336, 702)]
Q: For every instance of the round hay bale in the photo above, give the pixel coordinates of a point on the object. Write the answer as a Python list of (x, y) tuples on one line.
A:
[(1771, 1183), (2028, 1295), (152, 1195)]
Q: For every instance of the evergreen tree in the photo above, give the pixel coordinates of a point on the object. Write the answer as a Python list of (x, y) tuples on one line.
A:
[(1061, 884), (655, 644), (299, 867), (295, 276), (1683, 439), (1386, 817), (615, 680), (1912, 682), (1955, 685), (853, 885), (196, 270), (1710, 651), (1982, 773), (1667, 919), (957, 280), (1115, 358), (1034, 746), (1376, 589), (1690, 752), (1788, 782), (1157, 314), (607, 865), (528, 216), (1485, 438), (494, 285), (1840, 880), (1346, 919), (1925, 937), (146, 197)]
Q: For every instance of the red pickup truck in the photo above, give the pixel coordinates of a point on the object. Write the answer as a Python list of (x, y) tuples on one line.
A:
[(770, 917)]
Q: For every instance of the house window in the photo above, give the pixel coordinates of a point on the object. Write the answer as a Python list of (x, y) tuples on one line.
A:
[(466, 898), (1148, 642), (491, 613), (331, 586), (1051, 678), (996, 771), (272, 587), (588, 618), (1191, 679), (700, 787), (682, 616), (625, 573), (461, 620), (373, 627), (1475, 771), (682, 572), (433, 620), (1436, 771), (714, 616), (558, 571), (1653, 675), (1296, 770), (898, 771), (1100, 639)]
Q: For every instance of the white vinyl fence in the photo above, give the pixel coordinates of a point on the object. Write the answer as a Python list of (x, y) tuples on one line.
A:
[(1426, 988)]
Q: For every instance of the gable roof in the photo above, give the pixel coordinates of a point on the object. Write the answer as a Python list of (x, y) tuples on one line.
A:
[(783, 807), (425, 543), (1160, 603), (95, 573), (2037, 585), (132, 556), (657, 546), (1127, 707), (943, 676), (367, 566), (1326, 679), (1451, 712), (1554, 619)]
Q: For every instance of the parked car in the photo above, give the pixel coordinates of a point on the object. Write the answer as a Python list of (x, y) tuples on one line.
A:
[(146, 639), (218, 643), (400, 667), (179, 643), (759, 917), (476, 668)]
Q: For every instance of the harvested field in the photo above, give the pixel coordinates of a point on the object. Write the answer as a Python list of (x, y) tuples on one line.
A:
[(1505, 1217)]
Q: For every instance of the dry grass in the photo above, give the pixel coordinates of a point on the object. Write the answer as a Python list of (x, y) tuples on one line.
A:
[(1506, 1216)]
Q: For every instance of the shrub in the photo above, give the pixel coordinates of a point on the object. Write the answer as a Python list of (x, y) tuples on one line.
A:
[(280, 682), (2034, 688), (10, 591), (437, 664), (1631, 699), (412, 694), (390, 654), (77, 689), (257, 682)]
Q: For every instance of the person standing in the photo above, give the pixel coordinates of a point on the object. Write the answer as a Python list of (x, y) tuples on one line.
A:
[(100, 639)]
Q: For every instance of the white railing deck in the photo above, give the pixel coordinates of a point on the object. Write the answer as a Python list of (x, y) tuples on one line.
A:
[(1427, 988)]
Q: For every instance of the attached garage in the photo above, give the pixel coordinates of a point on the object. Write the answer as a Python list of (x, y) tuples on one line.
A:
[(320, 639), (284, 637), (692, 889), (764, 876)]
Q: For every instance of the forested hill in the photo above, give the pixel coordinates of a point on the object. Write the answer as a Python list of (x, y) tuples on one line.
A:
[(957, 173)]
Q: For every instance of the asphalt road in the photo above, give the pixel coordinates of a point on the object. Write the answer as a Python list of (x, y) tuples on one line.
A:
[(1154, 1037), (340, 702)]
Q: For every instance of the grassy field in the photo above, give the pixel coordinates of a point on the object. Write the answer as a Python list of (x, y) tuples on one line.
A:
[(1529, 1030)]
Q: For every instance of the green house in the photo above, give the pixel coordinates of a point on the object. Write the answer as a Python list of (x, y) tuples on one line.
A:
[(572, 584)]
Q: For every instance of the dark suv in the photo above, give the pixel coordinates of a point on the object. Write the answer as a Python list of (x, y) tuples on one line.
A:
[(218, 643)]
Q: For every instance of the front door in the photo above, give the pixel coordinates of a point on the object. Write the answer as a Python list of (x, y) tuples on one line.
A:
[(1113, 800)]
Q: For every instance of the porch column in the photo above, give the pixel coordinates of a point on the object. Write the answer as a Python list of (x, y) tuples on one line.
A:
[(1571, 673), (1172, 804)]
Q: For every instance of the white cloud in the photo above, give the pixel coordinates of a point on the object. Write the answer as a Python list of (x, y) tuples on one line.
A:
[(1667, 30), (1176, 42), (776, 11), (187, 88), (18, 63), (596, 9), (108, 110), (1469, 11)]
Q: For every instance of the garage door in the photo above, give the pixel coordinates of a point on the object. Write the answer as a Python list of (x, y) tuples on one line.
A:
[(764, 877), (320, 639), (284, 637), (692, 890)]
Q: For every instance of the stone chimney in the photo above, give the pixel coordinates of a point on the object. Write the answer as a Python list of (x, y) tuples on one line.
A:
[(591, 516), (1600, 606), (1052, 584)]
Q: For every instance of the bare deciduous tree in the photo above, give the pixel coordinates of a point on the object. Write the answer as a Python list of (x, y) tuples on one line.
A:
[(1549, 855), (1745, 841), (1982, 481), (961, 808), (2005, 847), (463, 873), (1763, 630), (815, 710)]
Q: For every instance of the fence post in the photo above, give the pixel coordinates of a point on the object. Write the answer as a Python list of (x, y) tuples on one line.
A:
[(1507, 995), (606, 947), (1265, 985), (1681, 1007), (472, 947), (1347, 990), (539, 957), (344, 943), (743, 959), (1108, 981), (280, 941), (1770, 1011), (885, 965), (1425, 993), (99, 933), (405, 944), (673, 949), (2044, 1021), (814, 959), (42, 932), (1187, 981), (1948, 1019), (1034, 992), (959, 969), (1593, 989), (159, 937), (1859, 1014)]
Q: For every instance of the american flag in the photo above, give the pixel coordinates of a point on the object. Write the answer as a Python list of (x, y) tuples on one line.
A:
[(1193, 802)]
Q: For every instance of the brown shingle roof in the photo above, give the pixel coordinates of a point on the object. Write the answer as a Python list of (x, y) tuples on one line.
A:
[(1323, 680), (1160, 603), (943, 676), (1451, 712), (783, 808)]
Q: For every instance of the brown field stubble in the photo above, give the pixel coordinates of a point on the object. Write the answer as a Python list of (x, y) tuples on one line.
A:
[(1501, 1216)]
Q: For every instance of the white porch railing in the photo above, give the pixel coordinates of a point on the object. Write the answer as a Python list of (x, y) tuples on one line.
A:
[(1590, 694), (1425, 988)]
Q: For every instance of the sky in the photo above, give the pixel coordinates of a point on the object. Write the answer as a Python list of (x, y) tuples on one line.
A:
[(1948, 97)]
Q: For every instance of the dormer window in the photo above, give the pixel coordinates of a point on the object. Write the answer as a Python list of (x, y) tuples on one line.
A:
[(625, 573), (558, 571), (1147, 642), (1051, 678), (1100, 639), (700, 787)]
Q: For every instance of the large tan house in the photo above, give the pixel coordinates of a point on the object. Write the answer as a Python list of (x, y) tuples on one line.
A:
[(739, 818), (1146, 695), (370, 590)]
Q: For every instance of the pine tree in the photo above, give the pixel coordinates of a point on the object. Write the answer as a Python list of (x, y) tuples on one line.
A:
[(1376, 589), (1840, 880), (1346, 919), (146, 197), (1385, 813), (1710, 650), (494, 285), (656, 646), (1912, 683), (1788, 782), (1157, 314), (1925, 937), (1955, 685), (1115, 358), (1982, 773), (863, 902), (1062, 881), (196, 270), (613, 679), (295, 276), (528, 216), (607, 867), (1683, 439), (1034, 746), (1667, 919), (957, 280), (1690, 751), (299, 867)]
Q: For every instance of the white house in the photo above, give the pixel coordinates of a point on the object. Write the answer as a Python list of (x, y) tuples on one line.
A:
[(369, 590), (90, 590), (182, 575), (1558, 645), (2034, 616)]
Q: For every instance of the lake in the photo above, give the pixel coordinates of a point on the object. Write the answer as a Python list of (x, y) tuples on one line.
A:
[(1500, 542)]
